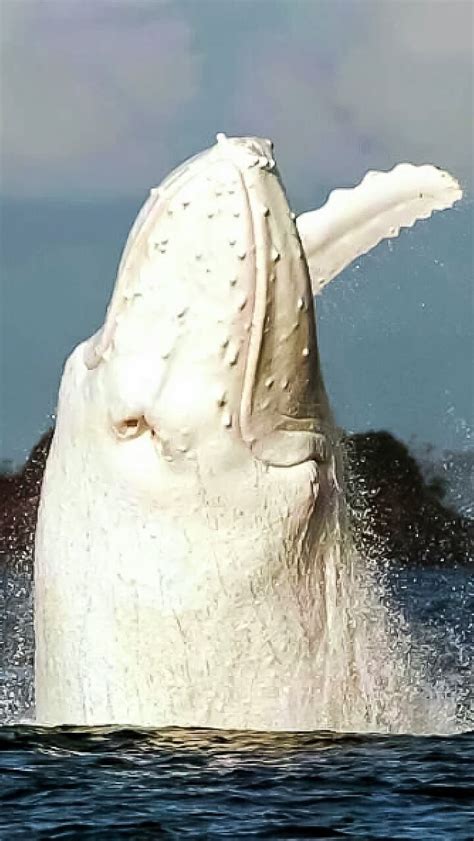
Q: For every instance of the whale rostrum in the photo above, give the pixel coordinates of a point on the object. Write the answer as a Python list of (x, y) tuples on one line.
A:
[(191, 529)]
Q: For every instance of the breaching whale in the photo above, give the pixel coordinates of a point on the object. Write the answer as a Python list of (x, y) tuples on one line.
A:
[(191, 529)]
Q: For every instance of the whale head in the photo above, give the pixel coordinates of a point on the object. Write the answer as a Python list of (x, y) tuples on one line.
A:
[(208, 354), (192, 466)]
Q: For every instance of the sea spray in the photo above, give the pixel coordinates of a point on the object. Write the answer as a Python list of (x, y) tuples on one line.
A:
[(16, 636)]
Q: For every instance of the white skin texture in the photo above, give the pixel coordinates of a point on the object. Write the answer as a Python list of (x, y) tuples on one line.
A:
[(191, 514)]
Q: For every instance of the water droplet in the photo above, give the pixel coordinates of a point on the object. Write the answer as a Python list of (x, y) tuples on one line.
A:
[(233, 281), (198, 255), (300, 303), (227, 420), (241, 255), (232, 241), (284, 384), (222, 399), (292, 215), (242, 302), (306, 351), (182, 312), (269, 382), (275, 254), (266, 211)]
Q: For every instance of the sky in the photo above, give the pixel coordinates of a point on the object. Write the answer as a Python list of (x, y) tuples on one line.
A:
[(99, 100)]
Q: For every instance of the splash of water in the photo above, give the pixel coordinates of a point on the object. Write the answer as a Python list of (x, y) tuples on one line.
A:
[(377, 675), (16, 636)]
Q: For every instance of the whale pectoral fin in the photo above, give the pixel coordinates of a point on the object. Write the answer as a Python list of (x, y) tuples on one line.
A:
[(355, 220)]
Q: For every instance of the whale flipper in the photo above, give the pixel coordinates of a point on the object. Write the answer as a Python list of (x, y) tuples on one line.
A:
[(355, 220)]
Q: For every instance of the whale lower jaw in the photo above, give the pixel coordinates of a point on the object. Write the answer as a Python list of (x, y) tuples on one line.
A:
[(202, 622), (254, 659), (252, 667)]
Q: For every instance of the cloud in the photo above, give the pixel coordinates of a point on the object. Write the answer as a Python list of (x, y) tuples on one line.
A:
[(91, 93), (106, 97), (410, 82), (357, 86), (287, 89)]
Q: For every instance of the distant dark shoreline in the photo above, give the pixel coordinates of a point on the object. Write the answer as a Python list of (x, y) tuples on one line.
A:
[(397, 513)]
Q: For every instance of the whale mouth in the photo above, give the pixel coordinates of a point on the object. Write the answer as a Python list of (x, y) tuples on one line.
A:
[(220, 226)]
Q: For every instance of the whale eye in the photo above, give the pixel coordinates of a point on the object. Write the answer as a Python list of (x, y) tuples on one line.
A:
[(130, 427)]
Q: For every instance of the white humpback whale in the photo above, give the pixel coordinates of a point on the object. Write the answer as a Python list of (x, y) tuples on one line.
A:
[(191, 532)]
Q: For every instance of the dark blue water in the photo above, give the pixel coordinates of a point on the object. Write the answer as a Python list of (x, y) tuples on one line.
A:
[(67, 783)]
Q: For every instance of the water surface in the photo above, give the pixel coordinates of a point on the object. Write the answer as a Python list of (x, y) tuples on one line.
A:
[(68, 783)]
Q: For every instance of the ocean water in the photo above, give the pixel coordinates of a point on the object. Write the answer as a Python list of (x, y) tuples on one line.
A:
[(68, 784)]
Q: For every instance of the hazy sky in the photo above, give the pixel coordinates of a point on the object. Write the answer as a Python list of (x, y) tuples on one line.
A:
[(99, 99)]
